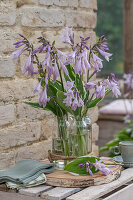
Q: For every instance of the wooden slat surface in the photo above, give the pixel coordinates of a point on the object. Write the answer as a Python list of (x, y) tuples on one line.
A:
[(15, 196), (123, 194), (35, 191), (93, 192), (59, 193)]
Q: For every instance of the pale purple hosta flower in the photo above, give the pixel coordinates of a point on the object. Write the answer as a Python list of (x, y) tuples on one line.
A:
[(115, 88), (64, 68), (55, 71), (68, 101), (62, 59), (37, 88), (19, 45), (46, 60), (104, 46), (69, 85), (100, 91), (85, 60), (75, 103), (83, 42), (40, 49), (69, 94), (81, 103), (129, 80), (91, 85), (82, 64), (97, 62), (106, 55), (102, 167), (81, 165), (29, 66), (18, 42), (69, 97), (17, 53), (127, 118), (68, 36), (43, 97), (78, 67), (70, 58), (106, 171), (87, 166)]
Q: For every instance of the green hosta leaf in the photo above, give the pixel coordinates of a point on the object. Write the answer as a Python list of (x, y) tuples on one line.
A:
[(112, 143), (102, 149), (79, 85), (71, 72), (73, 166), (56, 84), (34, 104), (48, 106), (53, 43), (95, 101)]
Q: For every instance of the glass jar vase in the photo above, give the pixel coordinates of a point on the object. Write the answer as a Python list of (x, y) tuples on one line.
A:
[(71, 138), (60, 138), (80, 136)]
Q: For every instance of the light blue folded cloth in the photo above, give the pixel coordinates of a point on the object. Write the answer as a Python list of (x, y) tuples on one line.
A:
[(25, 171)]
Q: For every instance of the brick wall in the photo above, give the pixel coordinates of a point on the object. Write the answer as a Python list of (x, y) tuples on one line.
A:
[(25, 132)]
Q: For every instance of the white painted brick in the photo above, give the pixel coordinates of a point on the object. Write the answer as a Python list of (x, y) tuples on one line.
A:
[(48, 126), (88, 4), (95, 132), (17, 89), (7, 114), (80, 19), (28, 113), (7, 38), (93, 114), (42, 18), (19, 134), (7, 159), (36, 151), (95, 149), (62, 3), (7, 16), (18, 3), (7, 66)]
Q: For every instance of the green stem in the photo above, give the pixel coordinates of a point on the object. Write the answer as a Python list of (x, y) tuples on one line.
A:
[(60, 75)]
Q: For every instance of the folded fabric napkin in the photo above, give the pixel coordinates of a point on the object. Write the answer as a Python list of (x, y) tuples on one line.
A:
[(25, 171), (38, 181)]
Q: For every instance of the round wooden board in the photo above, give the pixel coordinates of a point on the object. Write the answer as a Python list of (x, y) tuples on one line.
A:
[(62, 178)]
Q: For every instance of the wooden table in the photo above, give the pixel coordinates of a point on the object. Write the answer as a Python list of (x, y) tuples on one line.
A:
[(120, 189)]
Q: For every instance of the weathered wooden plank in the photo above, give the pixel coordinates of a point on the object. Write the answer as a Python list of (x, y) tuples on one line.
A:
[(35, 191), (94, 192), (128, 35), (59, 193), (15, 196), (125, 193)]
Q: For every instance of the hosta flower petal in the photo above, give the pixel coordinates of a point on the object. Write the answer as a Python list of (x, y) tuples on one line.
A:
[(106, 55), (17, 53)]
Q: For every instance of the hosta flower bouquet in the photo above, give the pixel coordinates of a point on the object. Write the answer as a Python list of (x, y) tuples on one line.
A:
[(65, 85)]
